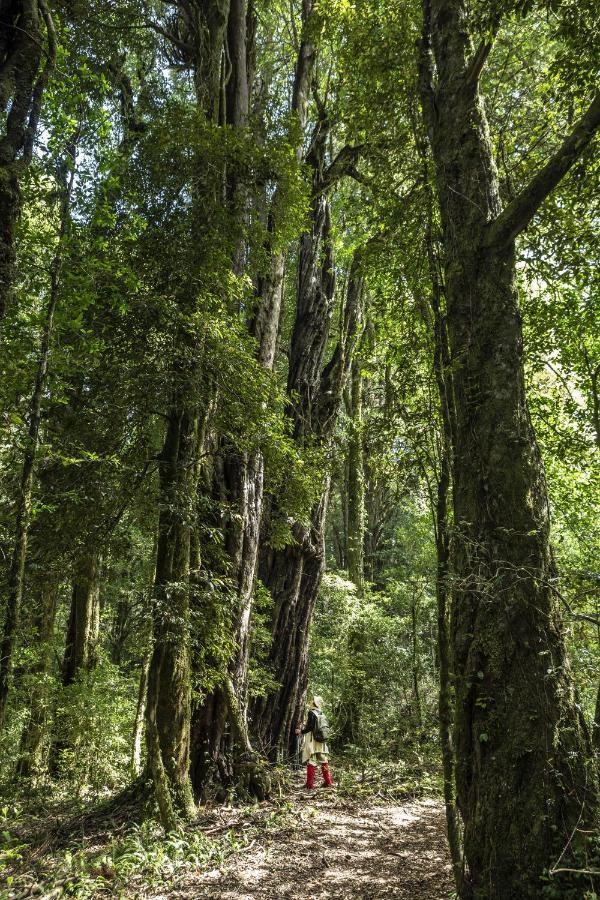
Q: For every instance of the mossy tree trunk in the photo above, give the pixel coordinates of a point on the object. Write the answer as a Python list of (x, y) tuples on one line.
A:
[(356, 479), (203, 27), (524, 779), (350, 708), (240, 476), (293, 574), (81, 645), (169, 687), (27, 54)]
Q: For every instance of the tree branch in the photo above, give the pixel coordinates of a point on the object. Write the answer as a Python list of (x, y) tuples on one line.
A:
[(343, 164), (477, 62), (518, 214), (577, 617)]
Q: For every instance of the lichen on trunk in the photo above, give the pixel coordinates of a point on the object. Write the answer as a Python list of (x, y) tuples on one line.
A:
[(525, 784)]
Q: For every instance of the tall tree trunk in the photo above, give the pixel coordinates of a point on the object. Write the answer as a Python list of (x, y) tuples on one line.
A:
[(168, 707), (146, 638), (169, 686), (33, 737), (524, 781), (443, 376), (350, 708), (120, 630), (16, 572), (140, 716), (356, 481), (293, 575), (416, 668), (83, 627), (242, 474), (22, 84)]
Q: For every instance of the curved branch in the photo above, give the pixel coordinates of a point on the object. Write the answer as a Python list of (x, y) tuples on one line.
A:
[(518, 214)]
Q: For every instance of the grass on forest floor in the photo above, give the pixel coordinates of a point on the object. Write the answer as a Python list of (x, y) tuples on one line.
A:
[(51, 848)]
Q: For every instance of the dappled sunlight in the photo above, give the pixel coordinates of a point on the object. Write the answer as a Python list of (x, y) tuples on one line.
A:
[(337, 850)]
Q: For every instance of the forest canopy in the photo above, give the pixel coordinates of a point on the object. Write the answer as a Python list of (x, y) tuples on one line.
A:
[(300, 396)]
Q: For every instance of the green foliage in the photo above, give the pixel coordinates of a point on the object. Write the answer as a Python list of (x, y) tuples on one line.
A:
[(151, 312), (93, 728)]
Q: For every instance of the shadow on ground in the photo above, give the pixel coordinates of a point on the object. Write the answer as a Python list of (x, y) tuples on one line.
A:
[(338, 852)]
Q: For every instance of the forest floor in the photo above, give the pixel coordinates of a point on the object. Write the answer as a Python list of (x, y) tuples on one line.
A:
[(338, 850), (362, 839)]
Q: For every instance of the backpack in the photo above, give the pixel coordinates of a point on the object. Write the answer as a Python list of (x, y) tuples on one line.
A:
[(321, 729)]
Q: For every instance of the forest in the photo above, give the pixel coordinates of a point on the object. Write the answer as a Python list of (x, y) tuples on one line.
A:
[(300, 414)]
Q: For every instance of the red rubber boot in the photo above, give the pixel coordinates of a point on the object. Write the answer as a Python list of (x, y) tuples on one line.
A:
[(327, 779), (310, 777)]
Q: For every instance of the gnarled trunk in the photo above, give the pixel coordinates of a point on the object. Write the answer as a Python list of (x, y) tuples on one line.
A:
[(22, 83), (169, 686), (293, 577), (222, 716), (524, 781), (293, 574)]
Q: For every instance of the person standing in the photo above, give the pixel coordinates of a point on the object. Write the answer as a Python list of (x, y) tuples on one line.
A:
[(314, 747)]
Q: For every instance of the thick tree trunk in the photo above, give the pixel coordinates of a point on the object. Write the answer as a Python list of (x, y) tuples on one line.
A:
[(204, 27), (33, 737), (169, 687), (224, 712), (22, 83), (524, 781), (293, 575), (83, 627)]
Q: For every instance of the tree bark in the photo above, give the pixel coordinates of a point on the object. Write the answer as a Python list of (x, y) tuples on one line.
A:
[(416, 668), (524, 781), (350, 708), (23, 79), (442, 367), (356, 482), (198, 33), (241, 475), (169, 687), (293, 575), (596, 732), (83, 627), (120, 630), (140, 717)]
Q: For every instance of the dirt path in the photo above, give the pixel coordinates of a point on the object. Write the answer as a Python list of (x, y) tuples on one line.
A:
[(338, 851)]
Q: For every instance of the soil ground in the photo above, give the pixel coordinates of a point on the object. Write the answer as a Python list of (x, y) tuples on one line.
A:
[(338, 850)]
